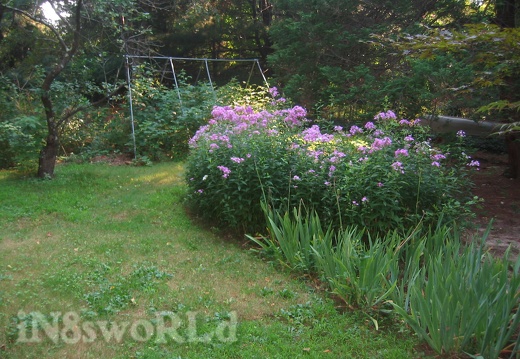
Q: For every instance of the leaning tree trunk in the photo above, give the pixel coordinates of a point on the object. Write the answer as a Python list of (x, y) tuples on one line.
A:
[(49, 152)]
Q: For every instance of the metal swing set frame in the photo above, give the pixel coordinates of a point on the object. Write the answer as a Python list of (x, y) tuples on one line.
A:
[(129, 59)]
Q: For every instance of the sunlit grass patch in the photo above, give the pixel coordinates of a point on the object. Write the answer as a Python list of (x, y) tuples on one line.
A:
[(115, 245)]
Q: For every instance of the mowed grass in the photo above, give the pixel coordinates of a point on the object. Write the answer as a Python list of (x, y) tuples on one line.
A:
[(109, 245)]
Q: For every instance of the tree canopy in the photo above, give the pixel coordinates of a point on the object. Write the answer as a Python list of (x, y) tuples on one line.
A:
[(342, 59)]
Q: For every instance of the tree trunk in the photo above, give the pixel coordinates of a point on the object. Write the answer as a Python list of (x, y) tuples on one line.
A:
[(506, 13), (49, 153), (513, 151)]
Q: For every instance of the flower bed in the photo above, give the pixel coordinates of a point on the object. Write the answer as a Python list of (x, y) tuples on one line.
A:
[(383, 175)]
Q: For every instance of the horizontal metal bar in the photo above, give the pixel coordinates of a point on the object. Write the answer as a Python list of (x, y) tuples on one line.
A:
[(185, 58)]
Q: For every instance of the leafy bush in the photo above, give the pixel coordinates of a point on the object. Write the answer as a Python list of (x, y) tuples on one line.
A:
[(20, 141), (386, 175), (21, 126), (165, 118)]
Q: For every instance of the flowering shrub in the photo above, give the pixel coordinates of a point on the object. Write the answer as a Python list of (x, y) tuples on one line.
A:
[(383, 175)]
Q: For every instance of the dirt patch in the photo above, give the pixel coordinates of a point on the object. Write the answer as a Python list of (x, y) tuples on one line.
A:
[(116, 160), (501, 202)]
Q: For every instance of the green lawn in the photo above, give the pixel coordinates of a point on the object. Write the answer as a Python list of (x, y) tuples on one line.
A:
[(102, 248)]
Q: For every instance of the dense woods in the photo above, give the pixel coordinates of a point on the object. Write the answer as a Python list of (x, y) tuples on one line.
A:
[(343, 60)]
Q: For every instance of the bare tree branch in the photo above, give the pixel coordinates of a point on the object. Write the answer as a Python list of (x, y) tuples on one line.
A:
[(67, 114)]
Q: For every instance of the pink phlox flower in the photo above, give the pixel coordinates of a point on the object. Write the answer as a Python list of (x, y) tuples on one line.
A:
[(363, 149), (404, 122), (294, 116), (398, 166), (437, 157), (409, 138), (338, 128), (401, 152), (436, 164), (237, 159), (379, 143), (200, 133), (461, 134), (388, 115), (370, 126), (225, 171), (315, 154), (313, 134), (474, 164), (355, 129)]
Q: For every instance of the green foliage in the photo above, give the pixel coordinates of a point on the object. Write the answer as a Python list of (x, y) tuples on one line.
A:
[(164, 123), (456, 298), (292, 237), (113, 295), (464, 300), (433, 86), (166, 118), (21, 127), (387, 175), (20, 140), (214, 29), (482, 68), (327, 53)]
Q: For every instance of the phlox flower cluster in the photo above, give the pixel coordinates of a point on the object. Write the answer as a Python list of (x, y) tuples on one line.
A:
[(364, 169), (398, 166), (227, 120), (313, 134), (293, 117), (225, 171), (380, 143), (388, 115), (401, 152)]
